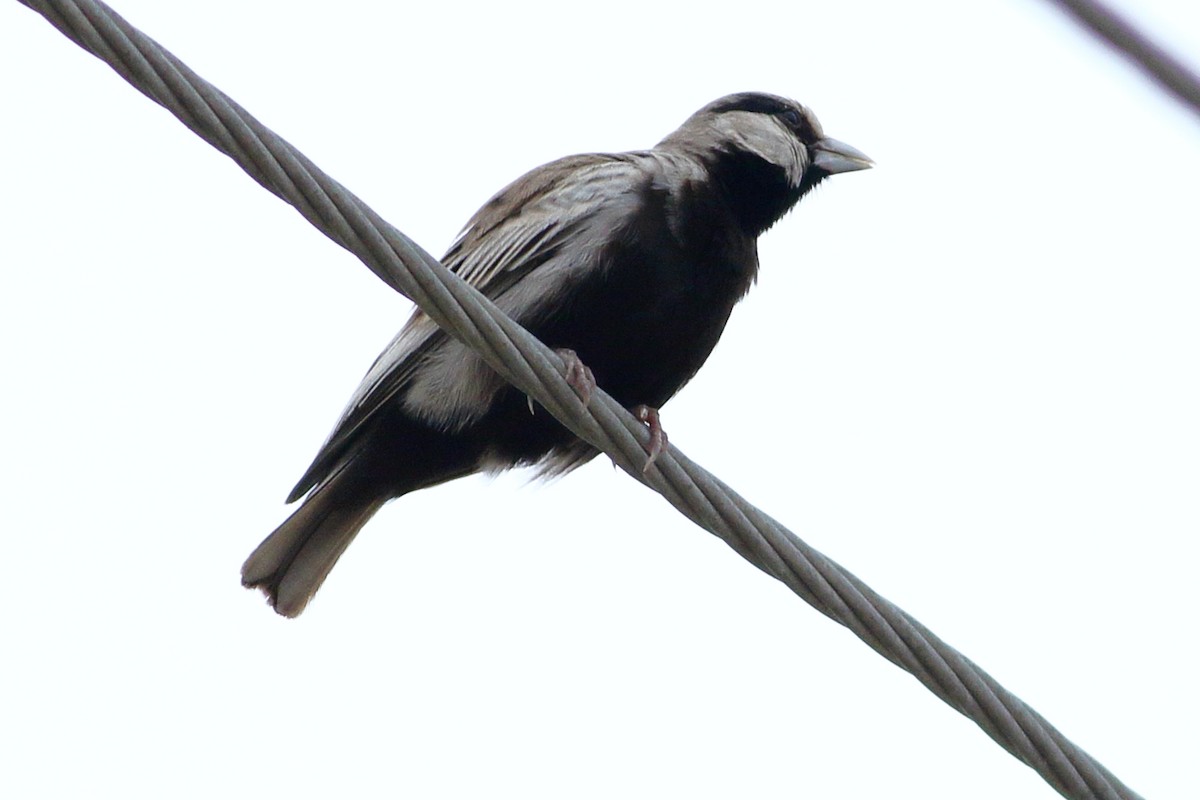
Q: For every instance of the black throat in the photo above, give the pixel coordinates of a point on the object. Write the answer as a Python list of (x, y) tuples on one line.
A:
[(759, 192)]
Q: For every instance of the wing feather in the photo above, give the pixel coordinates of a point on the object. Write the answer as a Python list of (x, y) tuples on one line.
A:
[(550, 220)]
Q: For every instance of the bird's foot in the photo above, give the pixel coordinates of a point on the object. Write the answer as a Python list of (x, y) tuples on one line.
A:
[(578, 375), (658, 436)]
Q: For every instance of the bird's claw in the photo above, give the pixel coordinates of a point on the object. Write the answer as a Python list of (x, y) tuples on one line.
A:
[(579, 376), (658, 436)]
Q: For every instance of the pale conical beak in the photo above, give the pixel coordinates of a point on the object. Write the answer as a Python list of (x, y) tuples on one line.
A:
[(831, 157)]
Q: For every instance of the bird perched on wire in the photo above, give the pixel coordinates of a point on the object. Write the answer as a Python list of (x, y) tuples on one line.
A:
[(629, 264)]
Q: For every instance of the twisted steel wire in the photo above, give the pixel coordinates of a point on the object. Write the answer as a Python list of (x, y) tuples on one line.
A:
[(537, 371), (1171, 73)]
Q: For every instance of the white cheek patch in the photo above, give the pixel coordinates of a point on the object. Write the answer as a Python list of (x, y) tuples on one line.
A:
[(767, 138)]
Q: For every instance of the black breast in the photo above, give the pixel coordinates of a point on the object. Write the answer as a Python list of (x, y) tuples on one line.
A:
[(648, 319), (644, 320)]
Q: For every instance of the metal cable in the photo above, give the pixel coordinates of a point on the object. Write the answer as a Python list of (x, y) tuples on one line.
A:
[(537, 371), (1173, 75)]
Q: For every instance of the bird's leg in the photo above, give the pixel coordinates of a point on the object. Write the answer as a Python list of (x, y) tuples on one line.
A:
[(658, 436), (578, 375)]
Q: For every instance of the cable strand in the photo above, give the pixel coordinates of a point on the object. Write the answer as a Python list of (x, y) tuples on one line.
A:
[(536, 370)]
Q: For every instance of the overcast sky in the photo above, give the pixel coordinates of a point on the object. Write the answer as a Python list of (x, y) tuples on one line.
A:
[(969, 376)]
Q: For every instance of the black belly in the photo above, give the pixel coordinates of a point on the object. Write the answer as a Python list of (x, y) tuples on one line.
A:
[(644, 326)]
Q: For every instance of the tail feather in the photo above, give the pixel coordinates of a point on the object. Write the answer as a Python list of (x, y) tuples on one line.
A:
[(291, 564), (401, 456)]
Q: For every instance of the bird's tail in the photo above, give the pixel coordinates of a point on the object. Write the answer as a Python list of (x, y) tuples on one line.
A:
[(291, 564)]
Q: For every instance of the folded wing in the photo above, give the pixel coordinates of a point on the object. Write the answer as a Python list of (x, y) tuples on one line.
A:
[(522, 250)]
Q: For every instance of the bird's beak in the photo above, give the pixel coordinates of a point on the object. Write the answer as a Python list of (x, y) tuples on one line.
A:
[(831, 157)]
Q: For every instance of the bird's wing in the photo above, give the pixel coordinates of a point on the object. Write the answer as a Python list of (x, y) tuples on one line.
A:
[(566, 207)]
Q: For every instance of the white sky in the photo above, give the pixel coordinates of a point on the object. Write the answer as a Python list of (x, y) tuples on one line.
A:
[(969, 375)]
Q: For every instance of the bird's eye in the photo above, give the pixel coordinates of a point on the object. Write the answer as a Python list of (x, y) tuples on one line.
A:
[(791, 116)]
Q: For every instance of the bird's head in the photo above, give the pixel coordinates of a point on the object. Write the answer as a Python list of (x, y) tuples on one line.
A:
[(765, 151)]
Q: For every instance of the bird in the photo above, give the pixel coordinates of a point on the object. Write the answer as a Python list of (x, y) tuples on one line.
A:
[(628, 264)]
